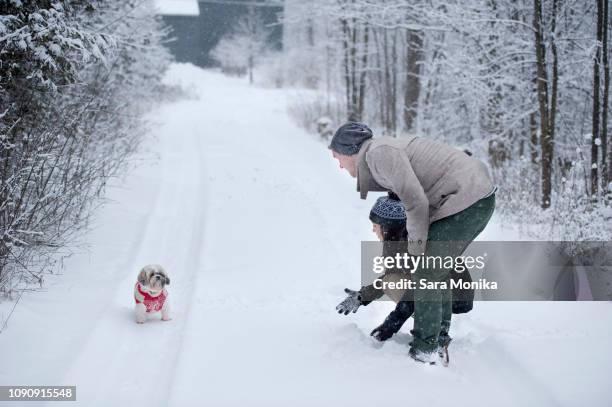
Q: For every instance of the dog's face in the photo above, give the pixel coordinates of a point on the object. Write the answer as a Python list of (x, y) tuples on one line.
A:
[(153, 277)]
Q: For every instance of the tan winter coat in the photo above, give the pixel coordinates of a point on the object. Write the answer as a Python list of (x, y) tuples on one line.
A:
[(432, 179)]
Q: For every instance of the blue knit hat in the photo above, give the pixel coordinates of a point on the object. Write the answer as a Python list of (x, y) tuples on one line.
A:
[(349, 137), (389, 212)]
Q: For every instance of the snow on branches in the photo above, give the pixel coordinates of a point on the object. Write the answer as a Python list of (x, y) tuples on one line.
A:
[(75, 78), (515, 81), (48, 46)]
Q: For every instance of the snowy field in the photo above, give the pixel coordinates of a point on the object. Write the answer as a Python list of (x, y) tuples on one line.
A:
[(260, 232)]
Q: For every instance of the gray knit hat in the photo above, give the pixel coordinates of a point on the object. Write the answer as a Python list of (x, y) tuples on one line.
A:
[(389, 212), (349, 137)]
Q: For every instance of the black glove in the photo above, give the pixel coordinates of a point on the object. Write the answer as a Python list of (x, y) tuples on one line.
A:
[(351, 303), (392, 324)]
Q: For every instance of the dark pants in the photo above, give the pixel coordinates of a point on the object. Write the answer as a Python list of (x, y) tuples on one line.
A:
[(449, 236)]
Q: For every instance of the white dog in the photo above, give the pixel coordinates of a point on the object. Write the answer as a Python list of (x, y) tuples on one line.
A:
[(150, 293)]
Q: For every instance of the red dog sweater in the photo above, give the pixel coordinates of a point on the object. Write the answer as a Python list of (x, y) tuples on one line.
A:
[(152, 303)]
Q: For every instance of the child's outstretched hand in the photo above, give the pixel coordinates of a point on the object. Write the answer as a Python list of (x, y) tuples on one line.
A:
[(351, 303)]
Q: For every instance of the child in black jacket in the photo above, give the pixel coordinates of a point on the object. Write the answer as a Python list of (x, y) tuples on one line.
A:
[(388, 218)]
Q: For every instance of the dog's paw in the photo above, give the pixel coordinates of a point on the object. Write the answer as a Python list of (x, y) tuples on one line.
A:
[(140, 322), (166, 318)]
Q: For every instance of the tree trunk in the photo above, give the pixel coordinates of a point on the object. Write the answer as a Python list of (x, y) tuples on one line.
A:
[(412, 89), (251, 69), (393, 90), (533, 145), (379, 73), (347, 76), (353, 41), (605, 160), (596, 103), (552, 108), (387, 97), (362, 75), (542, 92)]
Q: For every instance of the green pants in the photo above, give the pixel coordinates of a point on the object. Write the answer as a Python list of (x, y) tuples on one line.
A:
[(449, 236)]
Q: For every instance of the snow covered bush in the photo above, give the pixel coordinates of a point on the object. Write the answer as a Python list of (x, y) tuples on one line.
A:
[(308, 107), (75, 78), (271, 70), (231, 54), (241, 50)]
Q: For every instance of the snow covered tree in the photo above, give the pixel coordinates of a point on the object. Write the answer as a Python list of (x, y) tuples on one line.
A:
[(75, 78), (512, 80), (239, 51)]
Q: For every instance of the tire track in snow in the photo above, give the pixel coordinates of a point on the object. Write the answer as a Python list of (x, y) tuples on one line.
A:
[(194, 263), (133, 363)]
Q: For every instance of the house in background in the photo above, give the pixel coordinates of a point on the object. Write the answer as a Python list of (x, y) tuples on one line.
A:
[(198, 25), (183, 17)]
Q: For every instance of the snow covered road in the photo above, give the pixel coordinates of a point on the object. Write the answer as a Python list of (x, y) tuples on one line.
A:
[(260, 232)]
